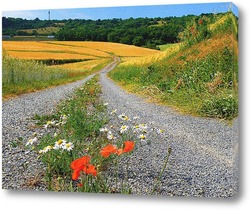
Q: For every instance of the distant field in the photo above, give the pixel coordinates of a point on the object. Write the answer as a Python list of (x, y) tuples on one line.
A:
[(70, 50), (68, 61)]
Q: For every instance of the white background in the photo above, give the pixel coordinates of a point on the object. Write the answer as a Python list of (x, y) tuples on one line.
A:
[(51, 200)]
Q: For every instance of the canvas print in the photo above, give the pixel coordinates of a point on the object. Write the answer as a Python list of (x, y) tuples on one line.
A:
[(139, 100)]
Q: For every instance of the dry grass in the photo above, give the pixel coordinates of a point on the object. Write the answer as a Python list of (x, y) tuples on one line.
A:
[(217, 81), (204, 48)]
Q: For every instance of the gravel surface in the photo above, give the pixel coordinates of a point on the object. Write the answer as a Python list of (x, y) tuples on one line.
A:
[(20, 167), (203, 162), (204, 159)]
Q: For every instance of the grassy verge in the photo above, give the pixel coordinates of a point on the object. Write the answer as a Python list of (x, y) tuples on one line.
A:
[(205, 87), (22, 76), (201, 79)]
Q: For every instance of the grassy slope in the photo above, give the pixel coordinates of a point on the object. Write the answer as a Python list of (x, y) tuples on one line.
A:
[(201, 79)]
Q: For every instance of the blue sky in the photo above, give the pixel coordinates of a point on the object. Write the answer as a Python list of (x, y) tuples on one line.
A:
[(124, 12)]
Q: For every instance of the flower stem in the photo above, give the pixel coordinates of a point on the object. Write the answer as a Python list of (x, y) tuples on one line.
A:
[(163, 169)]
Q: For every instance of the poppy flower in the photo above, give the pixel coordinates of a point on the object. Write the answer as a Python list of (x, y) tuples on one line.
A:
[(76, 174), (80, 163), (90, 169), (108, 150), (129, 146), (119, 151)]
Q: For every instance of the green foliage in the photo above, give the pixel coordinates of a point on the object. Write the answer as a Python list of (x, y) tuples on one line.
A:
[(14, 26), (196, 31), (224, 107)]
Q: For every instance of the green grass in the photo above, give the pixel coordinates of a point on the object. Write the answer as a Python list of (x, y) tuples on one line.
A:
[(22, 76), (187, 87)]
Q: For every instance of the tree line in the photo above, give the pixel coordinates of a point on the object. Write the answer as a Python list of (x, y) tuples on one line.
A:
[(146, 32)]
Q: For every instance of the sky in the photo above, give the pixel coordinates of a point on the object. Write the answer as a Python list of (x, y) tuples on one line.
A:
[(123, 12)]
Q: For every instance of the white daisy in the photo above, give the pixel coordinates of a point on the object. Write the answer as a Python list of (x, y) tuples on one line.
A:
[(50, 124), (68, 146), (31, 141), (45, 149), (104, 130), (142, 137), (59, 144), (136, 128), (124, 117), (143, 127), (110, 136), (123, 128), (121, 116)]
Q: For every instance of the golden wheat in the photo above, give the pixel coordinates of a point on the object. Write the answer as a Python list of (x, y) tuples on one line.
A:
[(72, 50), (145, 60), (84, 66), (47, 55), (114, 48)]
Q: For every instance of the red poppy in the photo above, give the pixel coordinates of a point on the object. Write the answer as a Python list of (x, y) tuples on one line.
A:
[(119, 151), (76, 174), (200, 22), (90, 169), (106, 151), (80, 163), (129, 146)]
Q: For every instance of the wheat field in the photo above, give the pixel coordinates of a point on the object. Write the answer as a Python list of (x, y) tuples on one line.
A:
[(22, 74)]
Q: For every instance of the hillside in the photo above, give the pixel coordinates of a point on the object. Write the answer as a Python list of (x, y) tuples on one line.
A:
[(200, 77)]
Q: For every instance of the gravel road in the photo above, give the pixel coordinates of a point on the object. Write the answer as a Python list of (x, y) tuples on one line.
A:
[(204, 157), (20, 167), (203, 161)]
